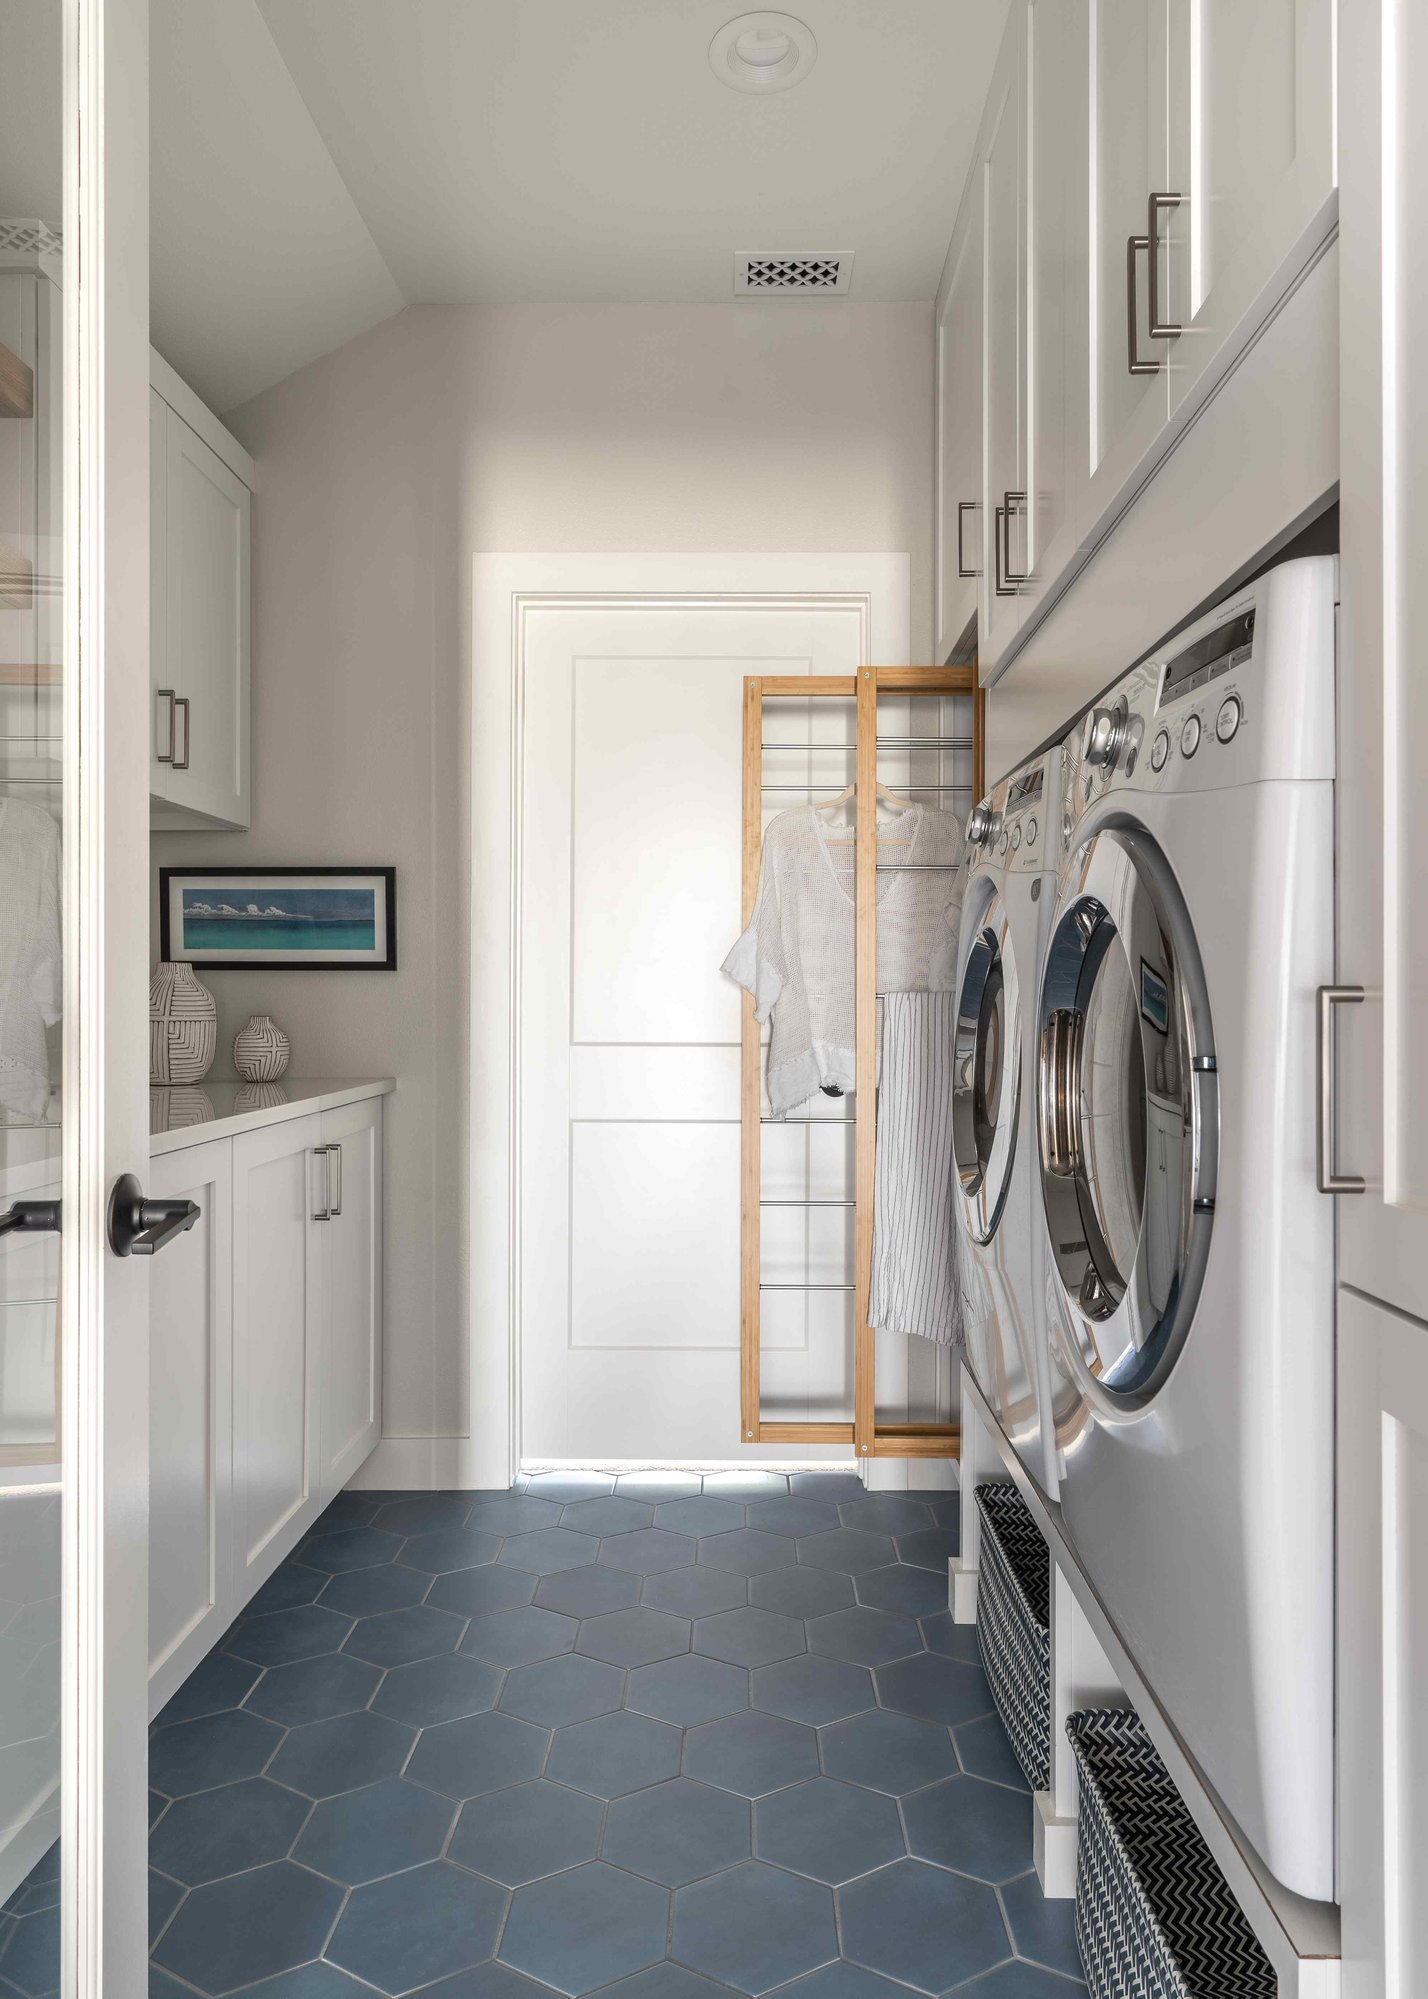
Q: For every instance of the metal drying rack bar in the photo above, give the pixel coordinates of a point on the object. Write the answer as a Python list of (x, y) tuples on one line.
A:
[(867, 1436)]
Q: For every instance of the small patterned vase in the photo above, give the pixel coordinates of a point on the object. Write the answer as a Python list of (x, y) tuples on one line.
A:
[(183, 1026), (260, 1050)]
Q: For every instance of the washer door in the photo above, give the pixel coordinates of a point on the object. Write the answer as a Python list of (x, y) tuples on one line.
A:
[(1127, 1114), (986, 1072)]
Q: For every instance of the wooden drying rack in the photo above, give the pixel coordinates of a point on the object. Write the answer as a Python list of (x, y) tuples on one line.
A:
[(869, 1438)]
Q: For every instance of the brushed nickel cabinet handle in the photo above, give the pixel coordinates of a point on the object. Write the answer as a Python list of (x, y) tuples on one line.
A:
[(167, 756), (1014, 508), (334, 1201), (324, 1213), (1000, 586), (181, 701), (1329, 1181), (1159, 329), (964, 507), (1133, 360)]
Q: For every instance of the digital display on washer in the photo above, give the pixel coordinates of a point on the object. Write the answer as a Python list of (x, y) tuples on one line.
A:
[(1026, 788), (1227, 646)]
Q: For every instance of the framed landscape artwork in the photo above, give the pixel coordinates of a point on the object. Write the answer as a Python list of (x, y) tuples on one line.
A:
[(322, 919)]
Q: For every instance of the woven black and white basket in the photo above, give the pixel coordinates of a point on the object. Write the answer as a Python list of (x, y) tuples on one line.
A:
[(1014, 1625), (1155, 1918)]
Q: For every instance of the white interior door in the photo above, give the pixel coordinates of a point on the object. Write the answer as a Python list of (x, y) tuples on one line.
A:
[(624, 1245), (74, 1379)]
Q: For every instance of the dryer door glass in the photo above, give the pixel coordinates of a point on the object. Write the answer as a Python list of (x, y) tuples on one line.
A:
[(986, 1077), (1127, 1112)]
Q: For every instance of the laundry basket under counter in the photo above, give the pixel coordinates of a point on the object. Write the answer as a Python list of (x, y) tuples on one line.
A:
[(1014, 1625), (1155, 1918)]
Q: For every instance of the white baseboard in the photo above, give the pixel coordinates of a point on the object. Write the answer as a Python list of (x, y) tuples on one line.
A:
[(962, 1591), (1054, 1840), (427, 1464)]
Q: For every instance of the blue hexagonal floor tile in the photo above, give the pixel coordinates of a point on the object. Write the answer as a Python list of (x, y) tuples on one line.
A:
[(588, 1592), (958, 1641), (754, 1927), (1016, 1980), (615, 1754), (832, 1832), (433, 1690), (213, 1833), (375, 1831), (791, 1516), (801, 1592), (314, 1689), (236, 1931), (984, 1751), (465, 1759), (886, 1513), (636, 1637), (366, 1592), (450, 1549), (549, 1550), (569, 1485), (812, 1689), (220, 1681), (1041, 1929), (936, 1688), (556, 1692), (324, 1758), (845, 1981), (647, 1551), (677, 1832), (426, 1515), (286, 1588), (354, 1548), (845, 1550), (921, 1925), (519, 1637), (749, 1637), (931, 1549), (416, 1927), (396, 1637), (216, 1749), (751, 1753), (607, 1516), (583, 1929), (888, 1752), (913, 1592), (864, 1636), (289, 1634), (980, 1829), (699, 1516), (516, 1514), (688, 1691), (527, 1832), (480, 1592), (747, 1552), (695, 1592)]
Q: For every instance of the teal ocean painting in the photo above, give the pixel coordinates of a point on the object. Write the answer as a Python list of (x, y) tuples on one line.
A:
[(272, 918)]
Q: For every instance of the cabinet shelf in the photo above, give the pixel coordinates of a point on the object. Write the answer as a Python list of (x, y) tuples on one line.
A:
[(17, 579), (17, 385), (27, 673)]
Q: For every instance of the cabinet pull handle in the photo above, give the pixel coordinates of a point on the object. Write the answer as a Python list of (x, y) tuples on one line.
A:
[(181, 701), (1159, 330), (1015, 503), (1133, 360), (1329, 1181), (1002, 589), (324, 1213), (167, 756), (335, 1203), (965, 507)]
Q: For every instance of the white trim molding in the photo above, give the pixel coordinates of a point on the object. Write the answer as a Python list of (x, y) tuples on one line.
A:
[(506, 589)]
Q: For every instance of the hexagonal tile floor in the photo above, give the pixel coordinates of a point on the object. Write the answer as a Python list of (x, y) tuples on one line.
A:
[(705, 1738)]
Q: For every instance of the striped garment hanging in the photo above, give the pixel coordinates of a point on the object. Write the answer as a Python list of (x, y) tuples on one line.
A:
[(914, 1277)]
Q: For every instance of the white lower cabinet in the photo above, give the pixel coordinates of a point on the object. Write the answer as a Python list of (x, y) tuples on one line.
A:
[(191, 1457), (266, 1362)]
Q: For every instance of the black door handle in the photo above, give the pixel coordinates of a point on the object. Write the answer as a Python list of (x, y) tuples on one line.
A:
[(138, 1227), (30, 1217)]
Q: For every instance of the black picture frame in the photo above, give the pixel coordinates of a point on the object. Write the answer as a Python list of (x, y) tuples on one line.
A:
[(384, 881)]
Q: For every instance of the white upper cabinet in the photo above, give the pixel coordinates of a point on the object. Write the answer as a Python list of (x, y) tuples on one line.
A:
[(200, 532), (1003, 350), (961, 539), (1251, 159), (1126, 167)]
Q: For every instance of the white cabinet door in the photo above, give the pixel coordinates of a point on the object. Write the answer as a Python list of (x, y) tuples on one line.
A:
[(1003, 351), (162, 719), (1383, 1648), (190, 1419), (350, 1200), (207, 527), (278, 1175), (960, 537), (1055, 399), (1252, 160), (1127, 150)]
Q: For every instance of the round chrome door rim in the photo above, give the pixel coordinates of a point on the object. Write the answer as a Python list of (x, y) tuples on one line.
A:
[(1120, 1357), (983, 1182)]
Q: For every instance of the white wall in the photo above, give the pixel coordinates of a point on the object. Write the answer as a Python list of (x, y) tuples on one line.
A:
[(761, 425)]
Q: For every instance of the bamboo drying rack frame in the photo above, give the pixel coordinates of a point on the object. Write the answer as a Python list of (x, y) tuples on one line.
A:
[(869, 1438)]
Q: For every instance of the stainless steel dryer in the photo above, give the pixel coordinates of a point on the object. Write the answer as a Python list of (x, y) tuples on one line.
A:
[(1011, 860)]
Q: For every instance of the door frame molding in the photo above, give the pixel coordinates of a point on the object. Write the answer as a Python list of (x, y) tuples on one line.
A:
[(506, 589)]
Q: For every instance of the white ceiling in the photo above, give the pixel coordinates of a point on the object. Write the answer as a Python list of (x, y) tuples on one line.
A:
[(316, 164)]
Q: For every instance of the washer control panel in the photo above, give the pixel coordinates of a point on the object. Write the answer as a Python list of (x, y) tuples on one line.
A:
[(1007, 831)]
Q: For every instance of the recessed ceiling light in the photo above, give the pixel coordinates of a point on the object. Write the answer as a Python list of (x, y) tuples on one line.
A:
[(763, 52)]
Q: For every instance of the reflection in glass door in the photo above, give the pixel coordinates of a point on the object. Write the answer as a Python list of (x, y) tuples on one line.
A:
[(31, 984)]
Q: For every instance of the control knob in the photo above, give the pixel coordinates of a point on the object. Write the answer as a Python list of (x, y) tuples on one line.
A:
[(1107, 733), (981, 824)]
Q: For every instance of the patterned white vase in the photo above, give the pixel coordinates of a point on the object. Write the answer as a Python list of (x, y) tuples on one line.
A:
[(183, 1026), (260, 1050)]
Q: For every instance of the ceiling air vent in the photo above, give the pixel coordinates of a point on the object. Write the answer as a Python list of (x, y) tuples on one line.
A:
[(793, 274)]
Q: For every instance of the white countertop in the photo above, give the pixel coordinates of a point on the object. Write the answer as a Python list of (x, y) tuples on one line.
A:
[(193, 1113)]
